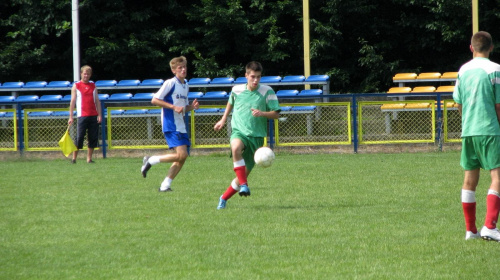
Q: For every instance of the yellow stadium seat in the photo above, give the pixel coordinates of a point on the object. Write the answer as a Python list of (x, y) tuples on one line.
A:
[(399, 90), (404, 76), (451, 104), (393, 106), (449, 75), (424, 89), (430, 75), (418, 105), (445, 89)]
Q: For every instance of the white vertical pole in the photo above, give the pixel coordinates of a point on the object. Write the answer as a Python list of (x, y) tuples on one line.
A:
[(307, 58), (76, 41), (475, 17)]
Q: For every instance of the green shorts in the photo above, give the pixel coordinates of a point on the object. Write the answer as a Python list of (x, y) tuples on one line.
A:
[(251, 145), (480, 152)]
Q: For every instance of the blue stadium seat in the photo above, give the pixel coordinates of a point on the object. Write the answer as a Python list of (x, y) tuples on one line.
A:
[(35, 84), (120, 96), (116, 112), (152, 82), (195, 94), (270, 79), (66, 97), (286, 108), (222, 81), (215, 94), (27, 98), (317, 78), (136, 112), (59, 84), (293, 79), (13, 85), (2, 114), (207, 111), (311, 92), (62, 113), (154, 111), (143, 96), (287, 93), (199, 81), (105, 83), (128, 83), (241, 80), (103, 96), (40, 114), (302, 108), (50, 98), (9, 98)]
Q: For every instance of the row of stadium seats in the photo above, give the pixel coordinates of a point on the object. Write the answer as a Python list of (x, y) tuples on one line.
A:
[(148, 96), (223, 81), (211, 111), (435, 76), (417, 106), (421, 89)]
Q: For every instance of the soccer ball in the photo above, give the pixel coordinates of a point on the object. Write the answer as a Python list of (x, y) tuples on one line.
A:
[(264, 157)]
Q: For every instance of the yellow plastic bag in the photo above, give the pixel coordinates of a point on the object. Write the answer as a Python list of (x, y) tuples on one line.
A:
[(66, 144)]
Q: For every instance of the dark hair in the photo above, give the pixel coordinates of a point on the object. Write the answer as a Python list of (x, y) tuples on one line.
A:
[(481, 42), (253, 66)]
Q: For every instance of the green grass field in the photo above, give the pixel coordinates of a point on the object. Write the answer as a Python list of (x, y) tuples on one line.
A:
[(334, 216)]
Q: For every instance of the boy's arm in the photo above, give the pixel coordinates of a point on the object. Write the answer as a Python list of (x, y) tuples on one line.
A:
[(98, 106), (194, 106), (220, 124), (158, 102), (72, 104), (270, 115), (497, 109)]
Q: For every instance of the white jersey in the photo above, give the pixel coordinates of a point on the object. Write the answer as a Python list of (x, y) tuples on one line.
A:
[(174, 92)]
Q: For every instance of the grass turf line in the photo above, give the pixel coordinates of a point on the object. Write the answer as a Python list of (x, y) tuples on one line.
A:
[(364, 216)]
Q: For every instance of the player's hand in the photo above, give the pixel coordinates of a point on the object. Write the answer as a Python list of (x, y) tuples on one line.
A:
[(178, 110), (257, 113), (195, 104), (70, 121), (219, 125), (99, 119)]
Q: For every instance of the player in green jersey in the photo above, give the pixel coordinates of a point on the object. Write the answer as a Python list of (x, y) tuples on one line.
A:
[(477, 93), (251, 104)]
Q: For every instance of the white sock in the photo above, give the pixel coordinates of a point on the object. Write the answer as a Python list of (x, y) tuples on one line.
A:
[(493, 193), (234, 185), (166, 183), (239, 163), (154, 160), (468, 196)]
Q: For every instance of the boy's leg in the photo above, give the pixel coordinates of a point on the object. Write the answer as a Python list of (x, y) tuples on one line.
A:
[(237, 147), (175, 168), (81, 128), (93, 137), (471, 180), (493, 200), (180, 143)]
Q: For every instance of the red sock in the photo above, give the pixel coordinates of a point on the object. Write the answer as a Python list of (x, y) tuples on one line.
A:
[(470, 216), (241, 173), (492, 209), (229, 192)]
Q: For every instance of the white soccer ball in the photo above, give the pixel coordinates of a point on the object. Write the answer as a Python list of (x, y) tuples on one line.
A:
[(264, 157)]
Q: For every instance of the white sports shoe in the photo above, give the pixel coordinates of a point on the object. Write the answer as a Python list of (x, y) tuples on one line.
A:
[(490, 234), (469, 235)]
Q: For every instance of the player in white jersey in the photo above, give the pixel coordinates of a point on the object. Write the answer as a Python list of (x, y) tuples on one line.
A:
[(173, 99)]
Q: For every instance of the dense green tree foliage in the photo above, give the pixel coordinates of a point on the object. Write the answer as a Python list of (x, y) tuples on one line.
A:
[(360, 44)]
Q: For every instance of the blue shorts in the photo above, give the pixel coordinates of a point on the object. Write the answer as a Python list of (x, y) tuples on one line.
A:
[(176, 139)]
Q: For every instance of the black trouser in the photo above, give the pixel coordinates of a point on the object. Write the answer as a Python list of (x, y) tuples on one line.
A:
[(91, 126)]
